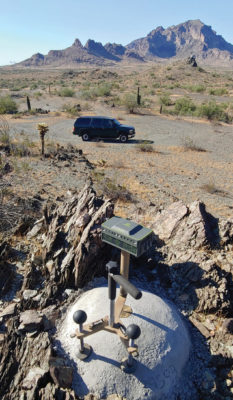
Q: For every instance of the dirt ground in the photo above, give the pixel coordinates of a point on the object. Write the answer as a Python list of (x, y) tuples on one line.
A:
[(171, 170)]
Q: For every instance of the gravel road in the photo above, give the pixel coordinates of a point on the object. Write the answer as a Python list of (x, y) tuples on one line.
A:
[(171, 172)]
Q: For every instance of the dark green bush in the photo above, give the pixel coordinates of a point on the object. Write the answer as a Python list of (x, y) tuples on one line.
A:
[(66, 92), (214, 111), (130, 102), (7, 105), (218, 91), (184, 106), (103, 90), (165, 100), (195, 88)]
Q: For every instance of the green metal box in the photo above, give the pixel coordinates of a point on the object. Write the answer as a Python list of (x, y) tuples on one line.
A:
[(127, 235)]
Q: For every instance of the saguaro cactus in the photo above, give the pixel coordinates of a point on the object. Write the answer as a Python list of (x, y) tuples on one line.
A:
[(138, 97), (42, 128), (28, 104)]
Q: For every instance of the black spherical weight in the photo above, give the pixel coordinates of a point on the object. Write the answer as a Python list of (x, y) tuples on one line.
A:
[(133, 331), (79, 316)]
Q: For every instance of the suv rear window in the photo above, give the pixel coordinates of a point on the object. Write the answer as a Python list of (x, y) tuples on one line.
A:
[(83, 122)]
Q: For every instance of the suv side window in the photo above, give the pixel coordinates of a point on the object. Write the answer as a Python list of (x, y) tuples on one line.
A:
[(83, 122), (97, 123), (108, 123)]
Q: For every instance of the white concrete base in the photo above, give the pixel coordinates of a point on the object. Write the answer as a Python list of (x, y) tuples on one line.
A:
[(163, 349)]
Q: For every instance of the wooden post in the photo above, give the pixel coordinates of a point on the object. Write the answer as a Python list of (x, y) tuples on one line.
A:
[(124, 269)]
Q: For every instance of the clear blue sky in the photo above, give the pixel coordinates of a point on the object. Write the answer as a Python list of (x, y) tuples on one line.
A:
[(28, 27)]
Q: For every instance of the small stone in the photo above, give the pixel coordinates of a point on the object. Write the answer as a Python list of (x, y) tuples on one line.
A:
[(34, 231), (33, 377), (227, 325), (2, 337), (209, 325), (50, 317), (68, 292), (8, 311), (30, 321), (16, 300), (37, 298), (229, 382), (29, 294), (204, 331), (50, 265)]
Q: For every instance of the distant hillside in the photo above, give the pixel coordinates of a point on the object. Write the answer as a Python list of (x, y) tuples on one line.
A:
[(179, 41)]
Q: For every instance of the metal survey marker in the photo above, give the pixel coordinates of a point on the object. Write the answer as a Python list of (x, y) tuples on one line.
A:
[(130, 238), (127, 235)]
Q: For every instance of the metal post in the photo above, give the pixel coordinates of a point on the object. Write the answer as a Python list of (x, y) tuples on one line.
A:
[(81, 340), (112, 312), (111, 267), (124, 269), (130, 357)]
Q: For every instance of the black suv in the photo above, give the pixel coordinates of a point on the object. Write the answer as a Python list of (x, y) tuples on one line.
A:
[(102, 128)]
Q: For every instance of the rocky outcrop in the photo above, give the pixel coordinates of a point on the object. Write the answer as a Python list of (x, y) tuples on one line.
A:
[(183, 226), (115, 49), (71, 248), (98, 50)]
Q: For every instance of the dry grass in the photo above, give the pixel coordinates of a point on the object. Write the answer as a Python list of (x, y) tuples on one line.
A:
[(145, 148), (211, 188), (189, 144)]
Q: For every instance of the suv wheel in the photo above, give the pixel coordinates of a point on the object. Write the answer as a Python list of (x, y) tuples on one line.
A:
[(123, 138), (85, 137)]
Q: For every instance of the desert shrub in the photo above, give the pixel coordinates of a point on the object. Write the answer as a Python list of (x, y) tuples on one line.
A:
[(189, 144), (129, 101), (165, 100), (4, 132), (20, 149), (218, 91), (115, 85), (200, 69), (211, 188), (51, 147), (66, 92), (110, 188), (172, 85), (87, 94), (37, 95), (7, 105), (145, 147), (33, 86), (184, 106), (214, 111), (196, 88), (71, 109), (103, 90), (170, 77)]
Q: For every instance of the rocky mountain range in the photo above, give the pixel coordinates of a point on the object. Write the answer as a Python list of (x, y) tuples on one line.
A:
[(178, 42)]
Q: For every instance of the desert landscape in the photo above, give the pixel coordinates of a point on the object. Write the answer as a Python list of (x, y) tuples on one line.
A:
[(174, 176)]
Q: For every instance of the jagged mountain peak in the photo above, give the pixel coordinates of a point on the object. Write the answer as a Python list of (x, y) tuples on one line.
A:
[(77, 43), (177, 41)]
